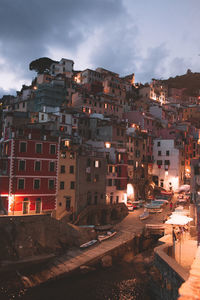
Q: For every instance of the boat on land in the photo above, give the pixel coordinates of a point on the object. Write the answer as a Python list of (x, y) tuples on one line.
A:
[(107, 235), (145, 215), (103, 227), (88, 244), (155, 210)]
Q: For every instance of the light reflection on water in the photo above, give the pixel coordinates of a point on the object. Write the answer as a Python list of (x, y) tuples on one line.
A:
[(123, 281)]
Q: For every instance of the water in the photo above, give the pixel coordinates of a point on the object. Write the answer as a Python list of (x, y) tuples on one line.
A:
[(122, 281)]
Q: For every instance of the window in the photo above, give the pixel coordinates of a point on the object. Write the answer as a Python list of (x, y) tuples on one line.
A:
[(88, 177), (89, 198), (96, 177), (51, 166), (72, 185), (38, 148), (62, 185), (97, 164), (36, 184), (88, 162), (52, 149), (51, 184), (20, 184), (22, 165), (158, 144), (37, 165), (159, 162), (109, 182), (167, 153), (62, 169), (159, 153), (167, 162), (71, 169), (68, 203), (95, 198), (4, 166), (23, 146), (71, 156)]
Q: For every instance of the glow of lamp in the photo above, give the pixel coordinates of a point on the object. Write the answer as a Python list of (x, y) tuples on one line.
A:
[(107, 145), (130, 190)]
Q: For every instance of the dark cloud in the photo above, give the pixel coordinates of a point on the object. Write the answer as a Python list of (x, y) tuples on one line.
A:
[(29, 28)]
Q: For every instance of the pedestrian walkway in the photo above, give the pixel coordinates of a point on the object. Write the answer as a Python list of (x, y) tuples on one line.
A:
[(75, 258)]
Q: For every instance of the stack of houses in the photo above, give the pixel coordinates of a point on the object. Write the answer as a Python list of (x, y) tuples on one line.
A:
[(73, 139)]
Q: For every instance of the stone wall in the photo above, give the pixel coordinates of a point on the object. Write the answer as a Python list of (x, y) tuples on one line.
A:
[(172, 275), (26, 236), (36, 235)]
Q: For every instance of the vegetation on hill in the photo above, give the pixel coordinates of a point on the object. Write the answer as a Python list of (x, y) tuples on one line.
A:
[(190, 81), (41, 65)]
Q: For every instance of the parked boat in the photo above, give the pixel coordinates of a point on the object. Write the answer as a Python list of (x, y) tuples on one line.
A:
[(155, 210), (106, 236), (145, 215), (88, 244), (103, 227)]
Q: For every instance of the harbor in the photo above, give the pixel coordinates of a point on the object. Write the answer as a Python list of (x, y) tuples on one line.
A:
[(130, 239)]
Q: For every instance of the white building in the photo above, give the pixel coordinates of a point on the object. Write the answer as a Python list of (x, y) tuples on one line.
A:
[(168, 164), (65, 66)]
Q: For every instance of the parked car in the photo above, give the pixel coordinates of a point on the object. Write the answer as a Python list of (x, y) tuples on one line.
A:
[(139, 203), (130, 205)]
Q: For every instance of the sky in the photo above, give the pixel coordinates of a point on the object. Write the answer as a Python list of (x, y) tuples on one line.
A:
[(151, 38)]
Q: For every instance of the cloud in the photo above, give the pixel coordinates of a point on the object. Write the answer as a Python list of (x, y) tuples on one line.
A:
[(154, 64), (94, 33), (114, 45), (29, 29)]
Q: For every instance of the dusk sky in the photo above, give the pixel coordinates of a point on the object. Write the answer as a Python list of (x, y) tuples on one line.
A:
[(151, 38)]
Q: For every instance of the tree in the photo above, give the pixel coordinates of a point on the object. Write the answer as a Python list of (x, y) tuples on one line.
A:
[(41, 65)]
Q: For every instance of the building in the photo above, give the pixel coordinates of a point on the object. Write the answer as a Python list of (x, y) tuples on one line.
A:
[(168, 163), (28, 172)]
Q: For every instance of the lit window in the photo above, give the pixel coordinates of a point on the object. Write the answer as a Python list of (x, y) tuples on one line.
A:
[(97, 163)]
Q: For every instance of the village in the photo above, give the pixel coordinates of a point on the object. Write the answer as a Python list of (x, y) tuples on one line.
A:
[(91, 148)]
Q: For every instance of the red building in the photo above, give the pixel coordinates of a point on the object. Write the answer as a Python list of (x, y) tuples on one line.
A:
[(28, 172)]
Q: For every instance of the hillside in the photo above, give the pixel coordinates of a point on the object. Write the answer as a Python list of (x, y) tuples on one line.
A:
[(190, 81)]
